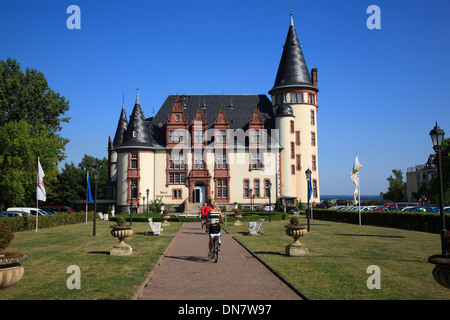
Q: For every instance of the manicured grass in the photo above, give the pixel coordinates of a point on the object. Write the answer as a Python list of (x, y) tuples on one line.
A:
[(51, 251), (340, 254)]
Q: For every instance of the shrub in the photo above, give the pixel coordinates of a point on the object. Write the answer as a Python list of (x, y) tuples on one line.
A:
[(418, 221), (6, 236)]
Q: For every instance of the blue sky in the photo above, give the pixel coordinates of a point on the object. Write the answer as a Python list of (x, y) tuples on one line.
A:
[(381, 91)]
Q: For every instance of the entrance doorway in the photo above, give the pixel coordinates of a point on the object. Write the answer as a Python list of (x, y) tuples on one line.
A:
[(199, 195)]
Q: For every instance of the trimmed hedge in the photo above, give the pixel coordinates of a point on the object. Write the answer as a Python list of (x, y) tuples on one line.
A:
[(418, 221), (142, 217), (50, 221)]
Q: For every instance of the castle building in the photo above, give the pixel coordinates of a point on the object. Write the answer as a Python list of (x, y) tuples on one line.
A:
[(222, 148)]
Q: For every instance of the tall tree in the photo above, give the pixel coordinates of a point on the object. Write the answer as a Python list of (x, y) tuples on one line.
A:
[(396, 187), (31, 116), (28, 96)]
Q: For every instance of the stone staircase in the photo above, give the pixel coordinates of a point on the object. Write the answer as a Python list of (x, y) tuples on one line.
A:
[(193, 208)]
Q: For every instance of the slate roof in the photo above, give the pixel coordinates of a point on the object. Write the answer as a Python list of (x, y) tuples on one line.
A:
[(238, 108), (292, 70), (121, 129)]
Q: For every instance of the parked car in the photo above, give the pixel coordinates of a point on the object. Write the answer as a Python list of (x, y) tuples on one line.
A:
[(30, 211), (12, 214), (395, 206), (368, 208), (339, 202), (291, 208), (447, 209), (57, 209), (266, 207)]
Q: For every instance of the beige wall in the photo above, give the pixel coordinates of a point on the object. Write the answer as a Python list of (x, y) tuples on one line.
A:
[(122, 176)]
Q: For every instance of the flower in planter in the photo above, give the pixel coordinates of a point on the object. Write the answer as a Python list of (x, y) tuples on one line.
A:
[(294, 221), (121, 221)]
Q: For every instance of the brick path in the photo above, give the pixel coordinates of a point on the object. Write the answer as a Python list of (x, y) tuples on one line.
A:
[(186, 272)]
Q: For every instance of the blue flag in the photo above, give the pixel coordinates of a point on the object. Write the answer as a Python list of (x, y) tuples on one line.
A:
[(310, 188), (89, 188)]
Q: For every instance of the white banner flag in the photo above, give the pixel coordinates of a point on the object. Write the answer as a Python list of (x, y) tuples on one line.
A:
[(40, 190), (355, 177)]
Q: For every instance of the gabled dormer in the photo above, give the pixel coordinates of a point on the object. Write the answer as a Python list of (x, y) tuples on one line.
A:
[(177, 125), (198, 128)]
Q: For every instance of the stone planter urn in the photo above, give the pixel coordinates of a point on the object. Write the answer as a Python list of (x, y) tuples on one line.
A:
[(296, 230), (121, 231), (237, 216), (441, 271), (10, 269), (165, 216)]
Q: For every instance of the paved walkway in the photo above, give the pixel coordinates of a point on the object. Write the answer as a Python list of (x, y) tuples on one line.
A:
[(186, 272)]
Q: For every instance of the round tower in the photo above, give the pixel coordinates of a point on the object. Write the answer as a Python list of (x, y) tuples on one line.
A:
[(294, 98)]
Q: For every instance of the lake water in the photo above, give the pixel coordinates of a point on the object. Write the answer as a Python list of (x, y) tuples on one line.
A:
[(350, 197)]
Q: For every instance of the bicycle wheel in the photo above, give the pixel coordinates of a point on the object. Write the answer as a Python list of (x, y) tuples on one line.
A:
[(213, 251), (216, 250)]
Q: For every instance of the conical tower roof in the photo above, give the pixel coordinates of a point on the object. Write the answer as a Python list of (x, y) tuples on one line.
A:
[(121, 127), (136, 134), (292, 71)]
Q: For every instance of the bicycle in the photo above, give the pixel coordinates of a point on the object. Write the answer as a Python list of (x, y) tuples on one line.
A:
[(215, 249)]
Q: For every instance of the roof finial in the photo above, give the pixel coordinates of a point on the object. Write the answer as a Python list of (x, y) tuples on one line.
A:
[(292, 19), (123, 101), (137, 95)]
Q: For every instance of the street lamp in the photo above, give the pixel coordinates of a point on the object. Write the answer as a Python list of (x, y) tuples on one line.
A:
[(270, 201), (308, 179), (250, 193), (437, 137), (95, 202), (441, 271), (148, 191)]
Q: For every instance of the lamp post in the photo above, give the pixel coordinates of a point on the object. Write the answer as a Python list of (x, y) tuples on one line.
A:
[(250, 193), (441, 271), (148, 191), (95, 203), (270, 201), (308, 178), (437, 137)]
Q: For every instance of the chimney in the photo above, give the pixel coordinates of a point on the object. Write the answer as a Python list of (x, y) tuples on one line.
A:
[(314, 77)]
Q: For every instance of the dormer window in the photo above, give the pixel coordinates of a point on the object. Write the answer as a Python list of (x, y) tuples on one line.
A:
[(134, 134), (177, 117)]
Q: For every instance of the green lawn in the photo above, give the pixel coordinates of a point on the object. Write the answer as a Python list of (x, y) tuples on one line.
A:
[(335, 269), (51, 251), (340, 254)]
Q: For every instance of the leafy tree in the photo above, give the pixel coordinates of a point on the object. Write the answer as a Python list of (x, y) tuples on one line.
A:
[(30, 120), (70, 186), (90, 163), (396, 187), (27, 96), (20, 146)]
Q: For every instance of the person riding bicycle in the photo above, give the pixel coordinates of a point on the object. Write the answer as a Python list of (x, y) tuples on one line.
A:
[(205, 209), (215, 218)]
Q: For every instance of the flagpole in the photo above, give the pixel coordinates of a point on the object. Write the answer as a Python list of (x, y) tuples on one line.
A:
[(87, 193), (37, 213), (359, 199), (37, 200)]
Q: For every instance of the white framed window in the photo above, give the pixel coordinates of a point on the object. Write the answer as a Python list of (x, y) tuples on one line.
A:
[(256, 161), (255, 136), (177, 136)]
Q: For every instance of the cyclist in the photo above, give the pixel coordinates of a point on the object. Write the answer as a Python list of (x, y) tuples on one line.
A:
[(205, 209), (215, 218)]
